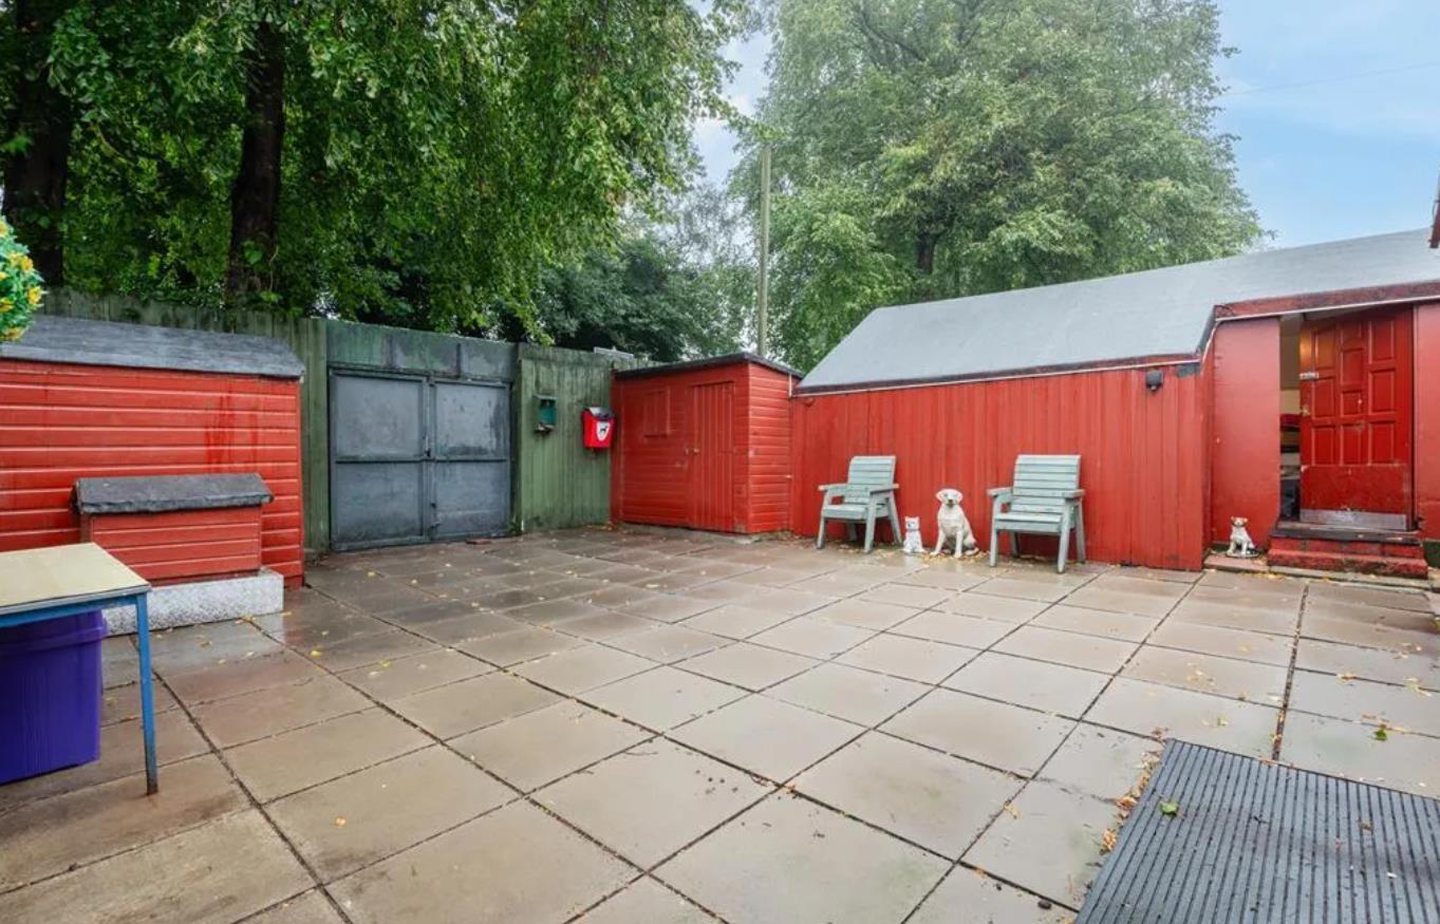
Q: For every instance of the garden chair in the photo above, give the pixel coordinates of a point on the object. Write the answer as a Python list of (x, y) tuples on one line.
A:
[(868, 492), (1044, 499)]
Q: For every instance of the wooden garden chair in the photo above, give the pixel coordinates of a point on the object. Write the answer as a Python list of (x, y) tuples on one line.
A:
[(1044, 499), (867, 493)]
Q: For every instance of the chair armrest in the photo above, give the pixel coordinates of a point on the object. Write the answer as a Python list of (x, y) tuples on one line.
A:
[(832, 487), (1004, 492), (884, 489), (1076, 494)]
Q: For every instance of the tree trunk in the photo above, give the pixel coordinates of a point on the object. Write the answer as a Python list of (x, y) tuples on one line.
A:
[(255, 197), (925, 252), (35, 177)]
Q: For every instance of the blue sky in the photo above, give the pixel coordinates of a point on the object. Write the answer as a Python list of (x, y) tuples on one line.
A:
[(1336, 106)]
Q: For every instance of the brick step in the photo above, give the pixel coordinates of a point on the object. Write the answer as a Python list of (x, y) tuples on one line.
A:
[(1366, 547), (1332, 560)]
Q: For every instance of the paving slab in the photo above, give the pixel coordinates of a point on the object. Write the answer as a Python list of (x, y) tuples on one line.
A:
[(850, 693), (506, 649), (1158, 711), (666, 608), (909, 658), (1230, 616), (965, 725), (969, 896), (1350, 749), (604, 624), (1230, 677), (273, 767), (1123, 626), (1053, 688), (273, 710), (937, 801), (582, 669), (790, 860), (460, 629), (1397, 666), (1088, 651), (513, 864), (1409, 708), (947, 575), (746, 665), (911, 595), (954, 629), (157, 882), (46, 837), (1392, 598), (1126, 601), (309, 908), (362, 818), (391, 680), (815, 638), (541, 746), (1025, 587), (666, 644), (663, 698), (991, 606), (735, 621), (865, 614), (457, 708), (1223, 642), (370, 649), (648, 802), (1050, 843), (1101, 762), (122, 704), (765, 736), (1369, 634), (646, 900), (219, 681)]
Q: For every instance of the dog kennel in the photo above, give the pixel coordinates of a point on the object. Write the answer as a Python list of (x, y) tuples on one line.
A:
[(704, 444)]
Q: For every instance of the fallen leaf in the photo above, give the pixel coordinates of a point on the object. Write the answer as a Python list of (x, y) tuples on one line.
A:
[(314, 652), (1169, 808), (1107, 840), (1381, 734), (340, 822), (1346, 676), (1010, 807)]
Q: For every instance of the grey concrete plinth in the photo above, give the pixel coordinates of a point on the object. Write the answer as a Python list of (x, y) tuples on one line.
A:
[(205, 601)]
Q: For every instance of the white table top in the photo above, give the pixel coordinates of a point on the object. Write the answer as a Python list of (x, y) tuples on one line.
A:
[(63, 574)]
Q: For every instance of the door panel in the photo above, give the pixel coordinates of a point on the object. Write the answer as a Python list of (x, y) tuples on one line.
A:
[(712, 456), (1356, 402), (413, 459)]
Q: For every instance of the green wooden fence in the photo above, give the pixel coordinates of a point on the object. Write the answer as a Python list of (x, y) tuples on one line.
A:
[(557, 481)]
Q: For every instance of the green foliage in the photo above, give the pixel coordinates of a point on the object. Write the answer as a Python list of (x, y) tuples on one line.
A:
[(437, 155), (936, 148), (669, 290), (20, 285)]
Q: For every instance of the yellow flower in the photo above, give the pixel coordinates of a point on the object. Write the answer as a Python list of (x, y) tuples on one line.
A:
[(4, 228), (6, 305), (32, 295), (26, 264), (15, 258), (3, 276)]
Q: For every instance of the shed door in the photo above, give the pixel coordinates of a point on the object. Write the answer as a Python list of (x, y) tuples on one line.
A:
[(414, 459), (712, 455), (1356, 402)]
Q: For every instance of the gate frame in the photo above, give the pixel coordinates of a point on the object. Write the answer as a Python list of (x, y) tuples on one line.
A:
[(427, 435)]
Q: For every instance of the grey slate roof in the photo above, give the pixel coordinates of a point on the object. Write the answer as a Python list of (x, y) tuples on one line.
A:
[(1163, 312), (690, 365), (107, 343)]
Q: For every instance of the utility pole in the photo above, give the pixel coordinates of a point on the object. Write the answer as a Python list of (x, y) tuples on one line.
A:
[(762, 295)]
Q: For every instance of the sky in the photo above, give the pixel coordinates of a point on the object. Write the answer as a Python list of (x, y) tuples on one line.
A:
[(1335, 105)]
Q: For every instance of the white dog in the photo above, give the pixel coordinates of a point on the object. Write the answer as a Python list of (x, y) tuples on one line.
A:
[(913, 543), (1241, 545), (954, 524)]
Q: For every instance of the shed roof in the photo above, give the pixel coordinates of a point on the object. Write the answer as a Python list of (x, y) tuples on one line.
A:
[(107, 343), (689, 365), (1138, 316)]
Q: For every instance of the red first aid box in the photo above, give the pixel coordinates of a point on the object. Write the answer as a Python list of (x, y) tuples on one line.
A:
[(598, 426)]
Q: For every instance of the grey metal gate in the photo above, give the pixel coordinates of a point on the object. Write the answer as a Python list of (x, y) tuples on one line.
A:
[(417, 458)]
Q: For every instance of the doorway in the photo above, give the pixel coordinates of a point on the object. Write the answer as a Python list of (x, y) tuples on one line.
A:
[(1351, 384), (712, 453)]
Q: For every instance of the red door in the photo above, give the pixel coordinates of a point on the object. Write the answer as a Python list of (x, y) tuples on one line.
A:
[(1356, 405), (712, 454)]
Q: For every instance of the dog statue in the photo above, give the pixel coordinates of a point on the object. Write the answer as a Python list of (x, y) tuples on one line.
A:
[(953, 524), (913, 543), (1241, 545)]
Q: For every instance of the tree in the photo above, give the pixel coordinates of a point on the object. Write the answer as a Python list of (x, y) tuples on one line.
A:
[(936, 148), (675, 288), (411, 162)]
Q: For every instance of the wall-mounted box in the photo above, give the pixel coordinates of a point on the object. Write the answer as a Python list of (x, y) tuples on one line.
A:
[(546, 413)]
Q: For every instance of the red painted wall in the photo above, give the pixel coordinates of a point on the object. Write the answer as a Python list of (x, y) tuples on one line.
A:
[(60, 422), (1427, 420), (1144, 466), (1245, 447), (655, 431), (181, 545)]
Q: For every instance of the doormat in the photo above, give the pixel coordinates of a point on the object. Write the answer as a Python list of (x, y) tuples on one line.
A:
[(1218, 837)]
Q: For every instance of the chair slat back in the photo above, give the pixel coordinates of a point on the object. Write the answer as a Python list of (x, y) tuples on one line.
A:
[(1041, 482), (868, 472)]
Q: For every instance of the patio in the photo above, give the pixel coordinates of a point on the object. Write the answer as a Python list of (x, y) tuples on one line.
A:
[(643, 726)]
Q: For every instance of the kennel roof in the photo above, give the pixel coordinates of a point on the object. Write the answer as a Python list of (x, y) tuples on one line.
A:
[(1151, 317)]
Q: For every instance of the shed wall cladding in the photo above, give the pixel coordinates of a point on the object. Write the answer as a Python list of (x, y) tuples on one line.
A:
[(60, 422), (1144, 465), (681, 461)]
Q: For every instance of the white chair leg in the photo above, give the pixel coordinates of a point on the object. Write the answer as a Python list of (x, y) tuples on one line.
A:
[(1079, 532), (870, 529), (1064, 544), (820, 536), (994, 543)]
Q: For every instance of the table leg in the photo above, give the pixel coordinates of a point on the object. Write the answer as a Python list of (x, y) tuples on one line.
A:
[(147, 694)]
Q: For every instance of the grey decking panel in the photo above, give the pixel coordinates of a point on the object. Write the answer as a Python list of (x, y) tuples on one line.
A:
[(1255, 841)]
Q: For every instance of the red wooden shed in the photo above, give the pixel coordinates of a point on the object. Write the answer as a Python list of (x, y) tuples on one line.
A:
[(84, 399), (1283, 386), (704, 444)]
